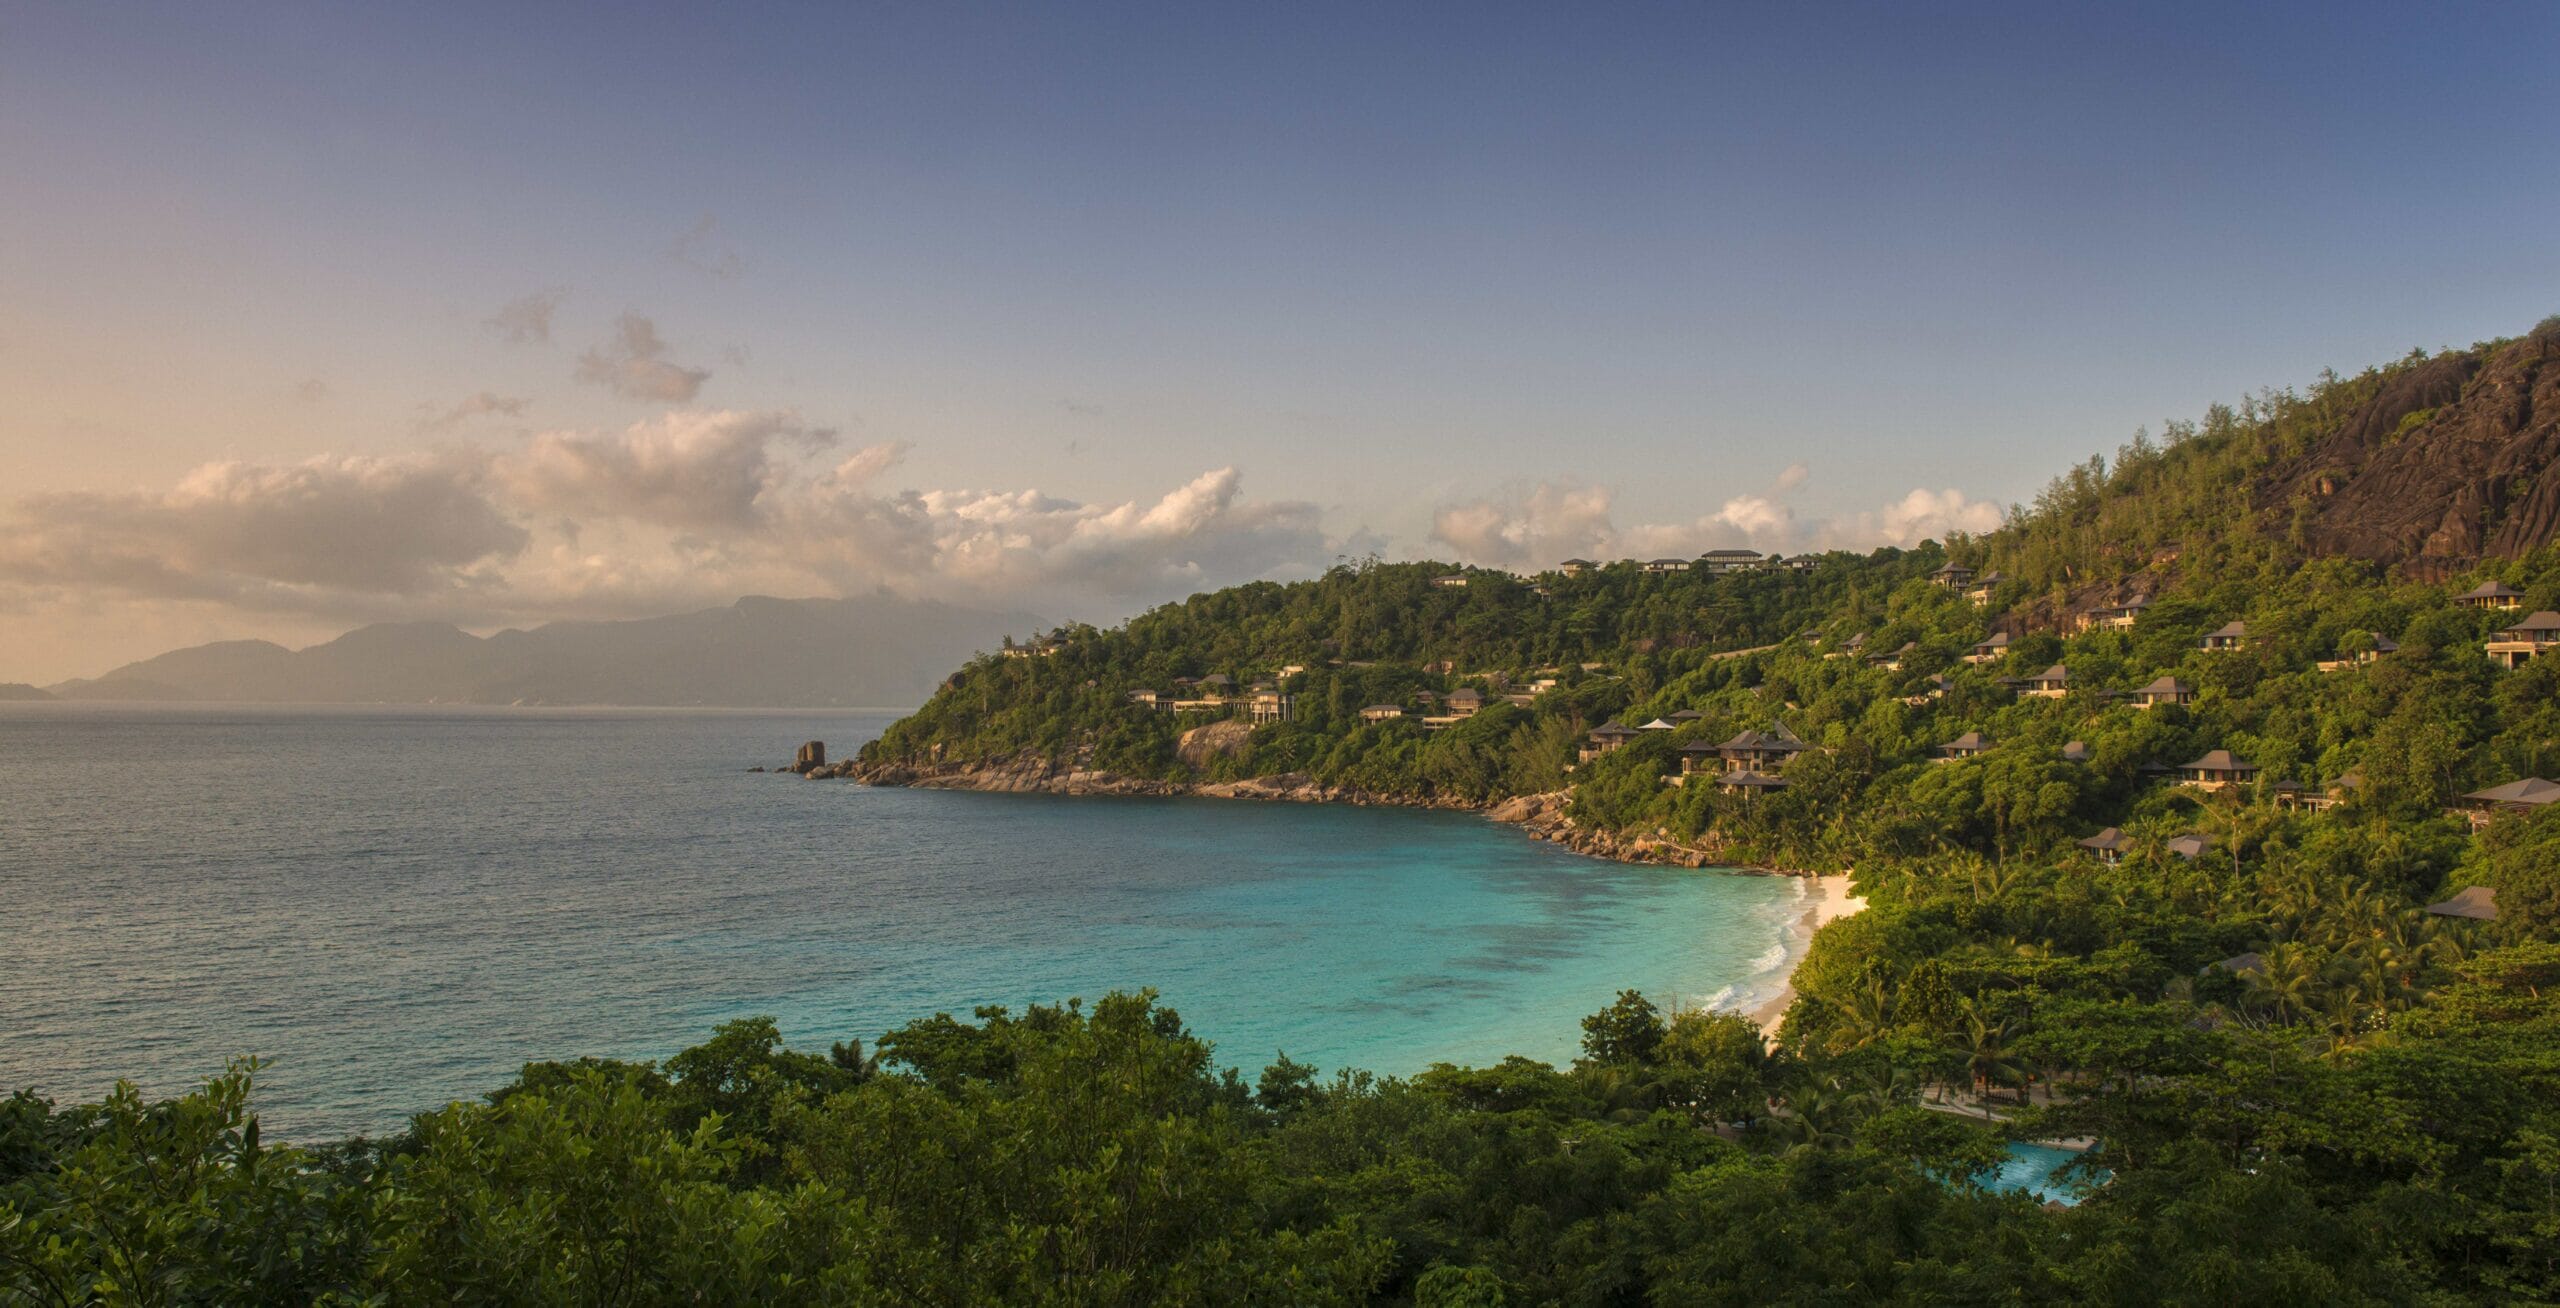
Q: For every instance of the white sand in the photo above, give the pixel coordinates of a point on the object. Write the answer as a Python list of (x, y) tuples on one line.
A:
[(1832, 899)]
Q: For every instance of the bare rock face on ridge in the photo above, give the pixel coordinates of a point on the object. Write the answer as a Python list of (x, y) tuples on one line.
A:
[(2453, 461), (1203, 745)]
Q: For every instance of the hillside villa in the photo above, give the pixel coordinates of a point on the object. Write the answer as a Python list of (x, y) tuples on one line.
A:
[(2052, 683), (1989, 649), (1271, 705), (2535, 635), (2478, 903), (2190, 847), (2490, 595), (1981, 590), (1382, 713), (1667, 565), (1607, 738), (2522, 796), (1971, 744), (1953, 575), (1724, 561), (2228, 636), (1450, 580), (2217, 770), (1575, 567), (1760, 751), (2381, 645), (2109, 845), (2166, 690), (2114, 617)]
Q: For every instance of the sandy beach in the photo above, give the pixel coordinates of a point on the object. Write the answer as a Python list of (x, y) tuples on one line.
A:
[(1833, 898)]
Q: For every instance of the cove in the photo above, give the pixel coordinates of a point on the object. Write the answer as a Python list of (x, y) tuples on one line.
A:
[(400, 907)]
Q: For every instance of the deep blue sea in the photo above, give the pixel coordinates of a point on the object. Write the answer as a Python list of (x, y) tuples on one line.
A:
[(399, 907)]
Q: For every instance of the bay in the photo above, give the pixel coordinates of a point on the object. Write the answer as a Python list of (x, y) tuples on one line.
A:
[(399, 907)]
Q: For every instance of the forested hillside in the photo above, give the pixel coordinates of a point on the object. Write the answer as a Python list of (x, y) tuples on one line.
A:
[(2193, 882)]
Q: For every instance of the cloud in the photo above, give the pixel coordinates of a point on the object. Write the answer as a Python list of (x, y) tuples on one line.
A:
[(694, 470), (1556, 520), (1923, 514), (634, 365), (302, 536), (701, 248), (479, 405), (686, 510), (527, 320)]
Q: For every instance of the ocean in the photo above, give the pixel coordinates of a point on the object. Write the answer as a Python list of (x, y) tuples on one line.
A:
[(399, 907)]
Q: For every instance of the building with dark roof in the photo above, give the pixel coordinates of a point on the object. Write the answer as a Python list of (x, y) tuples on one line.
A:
[(2166, 690), (2219, 769), (2491, 595), (2535, 635)]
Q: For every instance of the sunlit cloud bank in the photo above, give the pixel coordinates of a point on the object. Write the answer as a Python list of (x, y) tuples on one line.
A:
[(687, 509), (1542, 524)]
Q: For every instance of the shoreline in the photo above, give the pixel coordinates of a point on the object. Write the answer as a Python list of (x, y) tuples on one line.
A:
[(1832, 898), (1539, 817)]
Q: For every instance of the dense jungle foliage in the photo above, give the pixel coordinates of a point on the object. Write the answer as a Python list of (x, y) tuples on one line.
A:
[(1061, 1156)]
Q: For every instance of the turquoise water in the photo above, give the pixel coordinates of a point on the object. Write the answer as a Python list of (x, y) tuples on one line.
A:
[(399, 907), (2032, 1168)]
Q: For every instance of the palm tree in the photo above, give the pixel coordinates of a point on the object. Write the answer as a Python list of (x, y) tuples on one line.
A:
[(1988, 1058)]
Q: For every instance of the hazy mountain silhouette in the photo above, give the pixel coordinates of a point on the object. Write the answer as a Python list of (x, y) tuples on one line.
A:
[(758, 652)]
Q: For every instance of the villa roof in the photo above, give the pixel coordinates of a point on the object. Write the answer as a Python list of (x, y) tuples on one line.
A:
[(2167, 686), (1687, 715), (1730, 554), (1967, 741), (1384, 708), (1751, 780), (1656, 725), (2491, 590), (1991, 578), (2190, 846), (1671, 563), (1993, 641), (1465, 692), (2531, 792), (2219, 760), (2108, 839), (1613, 728), (2055, 673), (2232, 628), (2543, 620), (2479, 903), (1580, 563)]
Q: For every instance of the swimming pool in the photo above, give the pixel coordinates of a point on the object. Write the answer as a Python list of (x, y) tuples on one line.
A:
[(2031, 1168)]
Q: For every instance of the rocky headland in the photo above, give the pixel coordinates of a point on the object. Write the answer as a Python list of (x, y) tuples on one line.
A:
[(1540, 817)]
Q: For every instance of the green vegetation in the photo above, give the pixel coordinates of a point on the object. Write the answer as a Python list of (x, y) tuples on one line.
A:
[(2302, 1087), (1073, 1157)]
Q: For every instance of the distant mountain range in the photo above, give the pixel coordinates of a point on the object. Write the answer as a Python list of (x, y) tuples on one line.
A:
[(758, 652)]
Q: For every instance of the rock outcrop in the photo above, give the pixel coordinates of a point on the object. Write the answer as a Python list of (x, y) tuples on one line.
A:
[(1540, 817), (2452, 461), (811, 758)]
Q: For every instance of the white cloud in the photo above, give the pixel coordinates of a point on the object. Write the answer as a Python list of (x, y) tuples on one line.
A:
[(634, 365), (1552, 521), (687, 469), (482, 404), (527, 320), (1923, 514), (686, 510), (302, 536)]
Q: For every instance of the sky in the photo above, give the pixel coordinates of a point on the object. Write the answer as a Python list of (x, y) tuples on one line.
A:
[(313, 315)]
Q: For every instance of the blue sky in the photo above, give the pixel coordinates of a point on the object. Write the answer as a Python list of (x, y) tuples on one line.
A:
[(1432, 279)]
